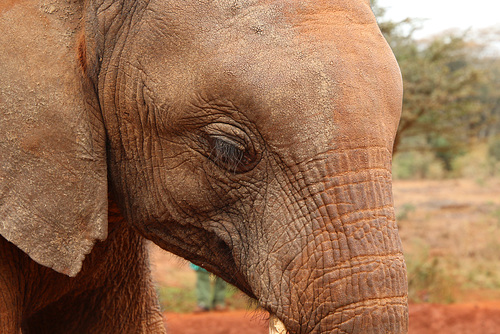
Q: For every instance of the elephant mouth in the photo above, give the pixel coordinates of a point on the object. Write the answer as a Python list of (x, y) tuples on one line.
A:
[(276, 326)]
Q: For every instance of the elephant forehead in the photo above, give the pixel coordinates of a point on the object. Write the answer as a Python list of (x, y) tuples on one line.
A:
[(318, 73), (304, 72), (313, 102)]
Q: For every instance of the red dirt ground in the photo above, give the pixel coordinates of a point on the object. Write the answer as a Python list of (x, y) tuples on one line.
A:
[(480, 318)]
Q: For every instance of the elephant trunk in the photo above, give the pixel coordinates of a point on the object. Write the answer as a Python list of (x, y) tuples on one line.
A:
[(348, 273)]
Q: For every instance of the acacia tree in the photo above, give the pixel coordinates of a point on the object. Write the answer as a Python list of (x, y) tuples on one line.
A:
[(442, 102), (488, 49)]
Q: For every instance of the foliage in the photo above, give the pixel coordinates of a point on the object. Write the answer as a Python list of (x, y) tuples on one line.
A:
[(451, 90), (183, 299), (404, 211), (429, 278), (441, 100), (417, 165), (494, 156), (176, 299), (486, 48), (494, 149)]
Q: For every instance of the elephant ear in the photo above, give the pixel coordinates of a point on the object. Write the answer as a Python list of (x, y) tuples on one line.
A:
[(53, 179)]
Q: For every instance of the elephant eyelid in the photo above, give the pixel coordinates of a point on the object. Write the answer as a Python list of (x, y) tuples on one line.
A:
[(227, 153), (229, 147)]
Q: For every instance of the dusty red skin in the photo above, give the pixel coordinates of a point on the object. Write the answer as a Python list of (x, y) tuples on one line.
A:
[(253, 138)]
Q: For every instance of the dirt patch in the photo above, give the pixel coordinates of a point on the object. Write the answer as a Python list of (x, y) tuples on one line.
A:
[(479, 318), (236, 322)]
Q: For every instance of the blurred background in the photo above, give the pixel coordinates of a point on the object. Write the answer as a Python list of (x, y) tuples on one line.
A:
[(446, 172), (447, 151)]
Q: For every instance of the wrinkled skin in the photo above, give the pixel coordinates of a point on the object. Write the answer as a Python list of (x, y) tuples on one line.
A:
[(253, 138)]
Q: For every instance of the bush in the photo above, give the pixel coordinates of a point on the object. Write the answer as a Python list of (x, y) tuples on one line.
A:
[(417, 165), (494, 156), (430, 278), (183, 299)]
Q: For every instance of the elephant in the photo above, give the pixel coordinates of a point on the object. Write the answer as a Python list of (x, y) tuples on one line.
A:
[(250, 137)]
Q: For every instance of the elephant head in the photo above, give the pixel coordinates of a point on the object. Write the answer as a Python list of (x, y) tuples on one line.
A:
[(253, 138)]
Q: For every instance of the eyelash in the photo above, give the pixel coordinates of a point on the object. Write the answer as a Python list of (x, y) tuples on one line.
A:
[(229, 147), (230, 155)]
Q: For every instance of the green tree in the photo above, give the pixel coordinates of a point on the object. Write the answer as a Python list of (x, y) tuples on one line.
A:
[(489, 62), (442, 101)]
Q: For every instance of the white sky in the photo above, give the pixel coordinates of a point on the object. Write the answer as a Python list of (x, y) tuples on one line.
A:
[(445, 14)]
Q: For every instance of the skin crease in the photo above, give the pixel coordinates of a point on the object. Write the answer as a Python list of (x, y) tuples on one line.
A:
[(253, 138)]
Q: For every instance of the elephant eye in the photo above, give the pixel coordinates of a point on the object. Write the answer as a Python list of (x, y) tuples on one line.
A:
[(227, 153), (229, 148)]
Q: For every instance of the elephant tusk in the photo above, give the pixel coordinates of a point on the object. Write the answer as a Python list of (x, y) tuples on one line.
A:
[(276, 326)]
